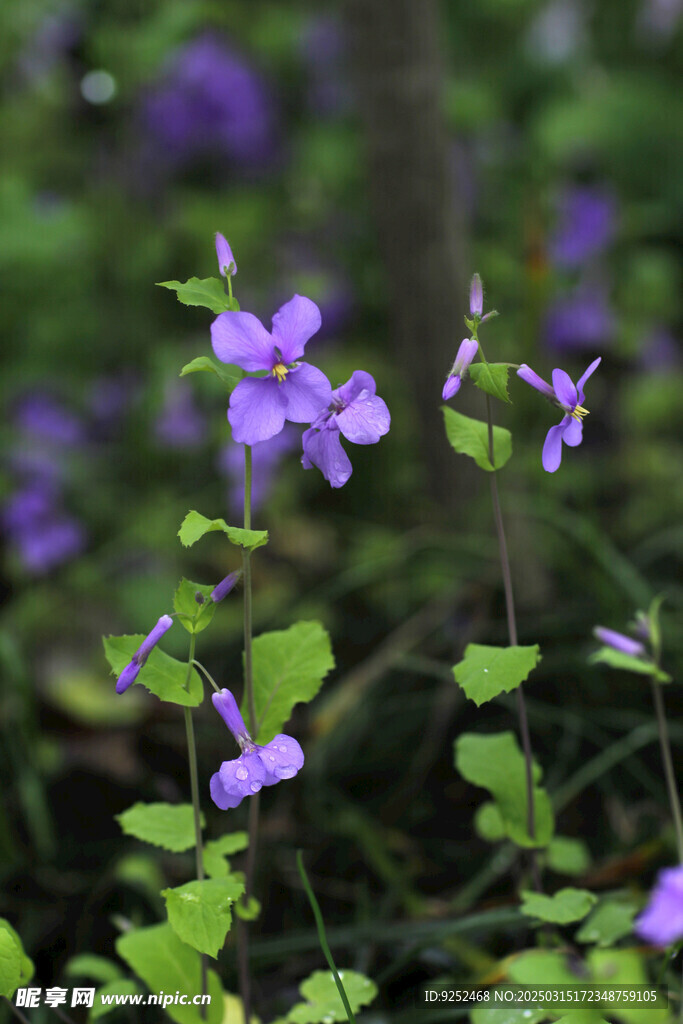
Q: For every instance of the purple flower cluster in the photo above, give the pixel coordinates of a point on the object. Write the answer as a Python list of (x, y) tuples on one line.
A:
[(257, 766), (585, 227), (568, 397)]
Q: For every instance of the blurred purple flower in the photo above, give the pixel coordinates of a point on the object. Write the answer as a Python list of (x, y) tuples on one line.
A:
[(585, 226), (257, 766), (180, 423), (582, 319), (323, 48), (266, 458), (212, 102), (659, 351), (43, 416), (56, 35), (43, 535), (557, 32), (291, 390), (619, 641), (357, 412), (569, 398), (661, 923), (109, 399), (659, 18), (132, 669)]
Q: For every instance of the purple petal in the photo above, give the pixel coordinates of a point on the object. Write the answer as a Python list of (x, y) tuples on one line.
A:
[(476, 296), (323, 448), (625, 644), (451, 387), (552, 449), (244, 776), (225, 256), (220, 796), (365, 420), (223, 588), (531, 377), (242, 339), (127, 677), (306, 391), (358, 382), (564, 389), (152, 639), (573, 435), (661, 923), (293, 324), (584, 377), (226, 706), (282, 758), (466, 353), (257, 410)]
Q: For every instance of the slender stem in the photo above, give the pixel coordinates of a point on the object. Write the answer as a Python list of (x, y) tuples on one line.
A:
[(668, 766), (246, 565), (198, 664), (512, 633), (194, 788), (17, 1013)]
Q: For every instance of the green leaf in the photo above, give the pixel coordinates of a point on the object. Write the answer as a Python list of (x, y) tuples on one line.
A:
[(492, 378), (535, 965), (502, 1014), (568, 856), (625, 967), (289, 666), (610, 921), (89, 965), (560, 908), (199, 912), (165, 964), (323, 1002), (216, 850), (208, 292), (185, 604), (471, 437), (10, 963), (617, 659), (196, 525), (487, 671), (119, 987), (204, 364), (25, 963), (496, 763), (170, 826), (163, 675), (488, 822)]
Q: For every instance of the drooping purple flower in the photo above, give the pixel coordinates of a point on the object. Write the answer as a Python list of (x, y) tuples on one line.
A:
[(568, 397), (225, 256), (180, 423), (466, 353), (266, 457), (619, 641), (661, 923), (291, 390), (476, 296), (355, 411), (223, 588), (585, 227), (581, 319), (257, 766), (130, 672)]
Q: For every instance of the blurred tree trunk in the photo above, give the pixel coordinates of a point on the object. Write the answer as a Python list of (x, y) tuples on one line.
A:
[(398, 78)]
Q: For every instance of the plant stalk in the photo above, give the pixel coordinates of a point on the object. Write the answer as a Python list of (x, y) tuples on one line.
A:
[(194, 788), (667, 761)]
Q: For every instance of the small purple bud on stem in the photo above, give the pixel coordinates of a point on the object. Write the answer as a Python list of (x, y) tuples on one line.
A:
[(199, 597), (619, 642), (127, 677), (223, 588), (531, 377), (451, 387), (130, 672), (466, 353), (226, 260), (226, 706), (476, 296)]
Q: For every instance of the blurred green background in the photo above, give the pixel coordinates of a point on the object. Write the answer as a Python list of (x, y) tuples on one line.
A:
[(370, 155)]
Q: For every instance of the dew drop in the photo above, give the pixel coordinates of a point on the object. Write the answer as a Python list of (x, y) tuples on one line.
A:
[(255, 786), (527, 1013), (283, 750), (242, 774), (485, 670), (271, 757)]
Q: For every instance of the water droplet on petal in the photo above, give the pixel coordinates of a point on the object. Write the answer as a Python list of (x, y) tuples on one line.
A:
[(255, 786), (271, 757), (242, 774), (282, 749)]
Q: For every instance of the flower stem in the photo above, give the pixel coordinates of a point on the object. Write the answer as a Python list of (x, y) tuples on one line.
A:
[(194, 788), (668, 766), (208, 676), (512, 634)]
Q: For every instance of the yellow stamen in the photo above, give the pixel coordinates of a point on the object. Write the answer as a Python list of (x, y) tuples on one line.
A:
[(280, 371), (579, 412)]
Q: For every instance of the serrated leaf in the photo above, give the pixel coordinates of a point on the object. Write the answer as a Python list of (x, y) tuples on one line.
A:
[(562, 907), (89, 965), (10, 963), (488, 822), (162, 675), (323, 1002), (497, 764), (289, 666), (170, 826), (216, 850), (204, 364), (492, 378), (471, 437), (486, 671), (119, 987), (629, 663), (26, 966), (184, 602), (165, 964), (208, 292), (568, 856), (610, 921), (200, 912), (195, 525)]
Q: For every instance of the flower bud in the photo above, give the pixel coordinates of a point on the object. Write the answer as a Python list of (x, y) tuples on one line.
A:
[(225, 257), (226, 706), (476, 296), (223, 588), (619, 642)]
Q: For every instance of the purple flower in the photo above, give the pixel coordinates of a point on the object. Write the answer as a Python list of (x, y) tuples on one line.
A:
[(356, 412), (223, 588), (225, 256), (130, 672), (661, 923), (466, 353), (180, 423), (569, 398), (43, 534), (585, 226), (291, 390), (581, 319), (476, 296), (257, 766), (620, 642), (43, 416), (266, 457)]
